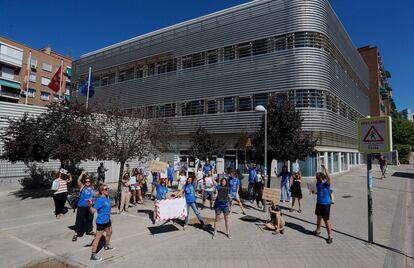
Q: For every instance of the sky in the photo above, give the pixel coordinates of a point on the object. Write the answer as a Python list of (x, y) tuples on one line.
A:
[(77, 27)]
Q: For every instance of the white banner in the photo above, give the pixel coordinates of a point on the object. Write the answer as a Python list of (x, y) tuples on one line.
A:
[(170, 209)]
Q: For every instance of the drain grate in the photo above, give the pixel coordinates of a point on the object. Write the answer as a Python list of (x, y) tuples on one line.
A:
[(346, 196)]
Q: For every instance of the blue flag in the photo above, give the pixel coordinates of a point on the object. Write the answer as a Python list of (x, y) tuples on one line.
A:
[(84, 87)]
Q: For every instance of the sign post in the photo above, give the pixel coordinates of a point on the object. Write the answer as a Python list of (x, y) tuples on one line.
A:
[(374, 136)]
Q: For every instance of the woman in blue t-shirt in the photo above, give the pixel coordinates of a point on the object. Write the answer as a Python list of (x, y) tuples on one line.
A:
[(222, 205), (323, 202), (190, 198), (84, 217), (103, 221)]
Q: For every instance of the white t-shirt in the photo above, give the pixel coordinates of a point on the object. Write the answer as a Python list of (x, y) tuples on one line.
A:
[(209, 187), (181, 181), (199, 174)]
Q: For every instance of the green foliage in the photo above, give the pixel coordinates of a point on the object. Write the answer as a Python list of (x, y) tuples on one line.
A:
[(286, 140), (404, 152), (38, 178), (204, 145), (402, 130), (61, 133)]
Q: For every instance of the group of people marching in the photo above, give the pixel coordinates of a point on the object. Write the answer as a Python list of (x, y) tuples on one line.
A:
[(208, 184)]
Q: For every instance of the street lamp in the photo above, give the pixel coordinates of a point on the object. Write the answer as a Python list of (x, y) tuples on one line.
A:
[(260, 109)]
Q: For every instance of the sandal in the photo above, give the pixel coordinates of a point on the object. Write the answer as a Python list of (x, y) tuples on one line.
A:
[(90, 233), (329, 240), (74, 238), (316, 232)]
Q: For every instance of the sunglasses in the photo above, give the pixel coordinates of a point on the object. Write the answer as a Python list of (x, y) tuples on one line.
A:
[(87, 181), (106, 189)]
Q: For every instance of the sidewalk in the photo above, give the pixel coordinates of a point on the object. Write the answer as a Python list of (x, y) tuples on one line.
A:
[(29, 232)]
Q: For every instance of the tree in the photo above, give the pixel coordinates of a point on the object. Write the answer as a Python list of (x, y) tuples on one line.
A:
[(62, 133), (285, 137), (127, 134), (204, 145), (402, 130)]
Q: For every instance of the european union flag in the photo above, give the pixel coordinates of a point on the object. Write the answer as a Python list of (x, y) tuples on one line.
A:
[(84, 87)]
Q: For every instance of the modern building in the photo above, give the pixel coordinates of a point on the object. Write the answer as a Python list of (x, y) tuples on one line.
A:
[(380, 91), (408, 114), (44, 63), (213, 70)]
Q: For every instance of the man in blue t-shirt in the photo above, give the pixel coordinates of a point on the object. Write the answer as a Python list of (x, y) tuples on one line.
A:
[(207, 167), (170, 173), (234, 184), (323, 202), (252, 176), (285, 184)]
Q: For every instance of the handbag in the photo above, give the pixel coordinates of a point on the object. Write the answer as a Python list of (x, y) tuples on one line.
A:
[(55, 185)]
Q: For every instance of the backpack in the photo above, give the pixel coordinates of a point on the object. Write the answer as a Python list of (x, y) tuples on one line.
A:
[(73, 199)]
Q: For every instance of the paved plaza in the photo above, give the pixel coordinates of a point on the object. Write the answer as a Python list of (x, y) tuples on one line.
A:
[(29, 232)]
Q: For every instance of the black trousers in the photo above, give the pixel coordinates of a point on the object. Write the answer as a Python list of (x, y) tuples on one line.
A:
[(60, 200), (84, 221)]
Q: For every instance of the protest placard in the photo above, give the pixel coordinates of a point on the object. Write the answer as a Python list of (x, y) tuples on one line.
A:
[(158, 166), (170, 209), (271, 194)]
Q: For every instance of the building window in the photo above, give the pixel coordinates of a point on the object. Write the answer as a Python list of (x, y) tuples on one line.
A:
[(151, 69), (45, 81), (31, 92), (108, 79), (212, 56), (280, 43), (186, 109), (44, 96), (228, 105), (212, 107), (245, 104), (187, 62), (198, 59), (32, 77), (47, 67), (229, 53), (259, 46), (197, 107), (97, 80), (170, 110), (126, 75), (8, 73), (261, 99), (244, 50), (33, 63), (140, 71)]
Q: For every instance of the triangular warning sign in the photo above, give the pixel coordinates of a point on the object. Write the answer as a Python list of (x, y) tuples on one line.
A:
[(373, 135)]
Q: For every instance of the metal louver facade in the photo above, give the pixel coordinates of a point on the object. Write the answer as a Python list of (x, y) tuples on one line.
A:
[(213, 70)]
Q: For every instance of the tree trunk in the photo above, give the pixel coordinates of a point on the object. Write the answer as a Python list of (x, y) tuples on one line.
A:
[(118, 193)]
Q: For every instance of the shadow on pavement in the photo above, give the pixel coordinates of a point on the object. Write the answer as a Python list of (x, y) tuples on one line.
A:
[(32, 193), (354, 237), (149, 212), (162, 229), (403, 175), (298, 228)]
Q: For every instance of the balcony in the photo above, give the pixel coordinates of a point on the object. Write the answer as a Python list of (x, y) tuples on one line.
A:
[(10, 77), (9, 89), (11, 55)]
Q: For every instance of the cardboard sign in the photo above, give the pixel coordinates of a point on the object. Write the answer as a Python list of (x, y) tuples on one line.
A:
[(170, 209), (271, 194), (220, 165), (158, 166), (375, 134)]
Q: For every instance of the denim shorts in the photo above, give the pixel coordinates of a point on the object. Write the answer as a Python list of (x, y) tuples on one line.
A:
[(225, 210), (208, 195)]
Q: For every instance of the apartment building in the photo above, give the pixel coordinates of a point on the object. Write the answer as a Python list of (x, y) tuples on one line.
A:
[(44, 63)]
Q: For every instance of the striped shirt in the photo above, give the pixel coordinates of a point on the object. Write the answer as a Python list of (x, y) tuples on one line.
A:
[(63, 186)]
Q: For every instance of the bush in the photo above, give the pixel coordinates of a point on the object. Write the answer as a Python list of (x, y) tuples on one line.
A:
[(38, 178), (404, 153)]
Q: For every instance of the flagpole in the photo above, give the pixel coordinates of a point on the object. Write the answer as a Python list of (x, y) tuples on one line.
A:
[(60, 80), (29, 68), (89, 83)]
